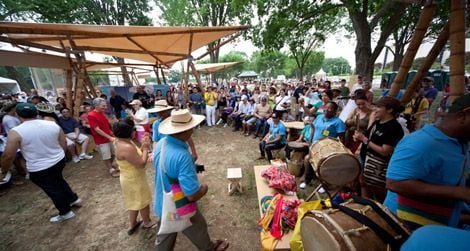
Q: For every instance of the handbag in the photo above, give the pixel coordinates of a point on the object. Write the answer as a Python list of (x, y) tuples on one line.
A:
[(171, 222)]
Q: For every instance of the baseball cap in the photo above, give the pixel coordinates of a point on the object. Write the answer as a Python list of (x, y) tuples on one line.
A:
[(460, 103), (26, 110)]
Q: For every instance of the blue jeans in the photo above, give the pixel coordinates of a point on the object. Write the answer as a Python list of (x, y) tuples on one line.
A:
[(264, 124), (263, 147)]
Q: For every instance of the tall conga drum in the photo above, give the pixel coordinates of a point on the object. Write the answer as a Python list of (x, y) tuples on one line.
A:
[(296, 162), (338, 230), (333, 163)]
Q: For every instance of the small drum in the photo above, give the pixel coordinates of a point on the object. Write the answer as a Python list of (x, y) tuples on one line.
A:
[(296, 162), (333, 163), (293, 129), (333, 229)]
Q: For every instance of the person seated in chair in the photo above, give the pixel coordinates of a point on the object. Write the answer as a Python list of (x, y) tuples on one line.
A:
[(275, 139), (71, 129)]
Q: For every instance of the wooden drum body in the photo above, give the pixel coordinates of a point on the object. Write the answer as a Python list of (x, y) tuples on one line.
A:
[(334, 230), (296, 162), (333, 163)]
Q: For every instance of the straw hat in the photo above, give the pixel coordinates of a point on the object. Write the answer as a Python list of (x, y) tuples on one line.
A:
[(179, 121), (136, 102), (45, 107), (160, 106)]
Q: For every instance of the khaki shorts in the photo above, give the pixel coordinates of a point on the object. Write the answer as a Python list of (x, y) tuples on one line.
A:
[(106, 150), (81, 137)]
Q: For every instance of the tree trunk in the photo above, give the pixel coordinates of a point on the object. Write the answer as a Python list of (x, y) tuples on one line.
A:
[(14, 74), (398, 56), (421, 27), (125, 74), (301, 73), (457, 49)]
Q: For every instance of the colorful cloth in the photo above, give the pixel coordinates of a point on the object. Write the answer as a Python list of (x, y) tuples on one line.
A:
[(280, 178)]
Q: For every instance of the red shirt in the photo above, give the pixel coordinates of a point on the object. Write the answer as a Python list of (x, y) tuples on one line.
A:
[(98, 119)]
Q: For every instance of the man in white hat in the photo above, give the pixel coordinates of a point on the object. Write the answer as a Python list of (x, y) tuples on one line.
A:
[(178, 165)]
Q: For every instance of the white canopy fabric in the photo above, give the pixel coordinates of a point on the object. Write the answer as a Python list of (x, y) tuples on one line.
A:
[(213, 68)]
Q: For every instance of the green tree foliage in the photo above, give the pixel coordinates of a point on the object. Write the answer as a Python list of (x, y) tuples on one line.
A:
[(279, 18), (205, 13), (269, 63), (174, 76), (233, 56), (336, 66)]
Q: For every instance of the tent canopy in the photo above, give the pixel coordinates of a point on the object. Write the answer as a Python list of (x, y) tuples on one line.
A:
[(156, 45), (9, 86), (213, 68), (248, 74)]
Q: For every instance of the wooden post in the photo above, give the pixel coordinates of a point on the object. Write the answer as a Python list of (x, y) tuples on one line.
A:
[(424, 68), (78, 94), (421, 27), (457, 49), (68, 88), (196, 74), (163, 74)]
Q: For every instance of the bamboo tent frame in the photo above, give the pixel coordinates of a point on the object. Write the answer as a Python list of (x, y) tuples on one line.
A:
[(455, 29), (158, 46)]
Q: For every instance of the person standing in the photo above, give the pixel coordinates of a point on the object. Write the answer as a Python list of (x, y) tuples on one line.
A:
[(211, 102), (140, 118), (142, 95), (196, 99), (101, 131), (430, 92), (43, 146), (9, 119), (116, 102), (131, 161), (344, 90), (174, 165)]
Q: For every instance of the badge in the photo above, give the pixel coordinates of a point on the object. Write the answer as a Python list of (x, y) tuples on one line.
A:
[(325, 133)]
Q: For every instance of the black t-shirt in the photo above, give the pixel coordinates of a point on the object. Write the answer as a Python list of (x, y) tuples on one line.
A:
[(388, 133), (117, 102), (143, 97)]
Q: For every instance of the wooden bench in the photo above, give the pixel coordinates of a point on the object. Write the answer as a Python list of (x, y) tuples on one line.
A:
[(263, 189)]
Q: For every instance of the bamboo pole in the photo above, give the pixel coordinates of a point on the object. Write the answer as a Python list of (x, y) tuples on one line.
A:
[(157, 74), (163, 75), (196, 75), (418, 36), (424, 68), (68, 88), (457, 49)]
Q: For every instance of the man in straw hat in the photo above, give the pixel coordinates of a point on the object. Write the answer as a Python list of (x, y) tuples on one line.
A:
[(164, 111), (177, 164), (43, 146), (428, 170)]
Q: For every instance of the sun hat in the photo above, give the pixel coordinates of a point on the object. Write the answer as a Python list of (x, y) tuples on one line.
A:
[(179, 121), (26, 110), (460, 103), (160, 106), (244, 97), (45, 107), (136, 102)]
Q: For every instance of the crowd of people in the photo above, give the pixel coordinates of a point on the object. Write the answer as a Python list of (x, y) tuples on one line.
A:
[(405, 173)]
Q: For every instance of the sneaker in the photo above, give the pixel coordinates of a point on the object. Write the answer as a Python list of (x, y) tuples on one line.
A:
[(302, 185), (75, 159), (60, 218), (76, 203), (225, 125), (219, 122), (85, 156)]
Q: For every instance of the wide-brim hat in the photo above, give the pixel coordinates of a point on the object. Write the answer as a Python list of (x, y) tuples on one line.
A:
[(45, 107), (179, 121), (160, 106)]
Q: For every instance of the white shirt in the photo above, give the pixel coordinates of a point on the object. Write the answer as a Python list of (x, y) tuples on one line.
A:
[(355, 87), (280, 101), (40, 144), (244, 107), (143, 115)]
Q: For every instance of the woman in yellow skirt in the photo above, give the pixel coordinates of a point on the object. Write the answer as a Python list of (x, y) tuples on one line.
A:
[(131, 160)]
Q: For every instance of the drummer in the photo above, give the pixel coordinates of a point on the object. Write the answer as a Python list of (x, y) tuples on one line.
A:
[(305, 136), (325, 125)]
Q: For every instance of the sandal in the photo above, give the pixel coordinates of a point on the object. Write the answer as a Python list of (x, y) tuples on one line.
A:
[(114, 172), (134, 228), (221, 245), (152, 225)]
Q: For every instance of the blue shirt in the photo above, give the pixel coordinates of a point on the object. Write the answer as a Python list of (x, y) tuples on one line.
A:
[(438, 238), (327, 127), (278, 129), (156, 135), (68, 125), (427, 155), (306, 133), (196, 97), (179, 165), (399, 95)]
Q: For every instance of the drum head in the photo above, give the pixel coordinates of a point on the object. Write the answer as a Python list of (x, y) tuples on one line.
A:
[(297, 145), (339, 169), (316, 236)]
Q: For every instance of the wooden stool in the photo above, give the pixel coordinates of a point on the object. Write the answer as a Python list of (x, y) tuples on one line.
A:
[(234, 175)]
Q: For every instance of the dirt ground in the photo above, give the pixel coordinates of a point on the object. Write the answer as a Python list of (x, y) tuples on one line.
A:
[(101, 224)]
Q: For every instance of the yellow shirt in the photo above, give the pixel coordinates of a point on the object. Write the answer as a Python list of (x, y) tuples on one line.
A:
[(210, 98), (422, 106)]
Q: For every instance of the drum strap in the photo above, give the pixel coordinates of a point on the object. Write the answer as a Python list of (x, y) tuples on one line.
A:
[(382, 233), (399, 229)]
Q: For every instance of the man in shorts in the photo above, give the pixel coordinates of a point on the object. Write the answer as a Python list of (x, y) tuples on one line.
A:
[(71, 129), (101, 131)]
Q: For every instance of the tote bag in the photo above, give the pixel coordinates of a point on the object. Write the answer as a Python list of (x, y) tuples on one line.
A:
[(171, 222)]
